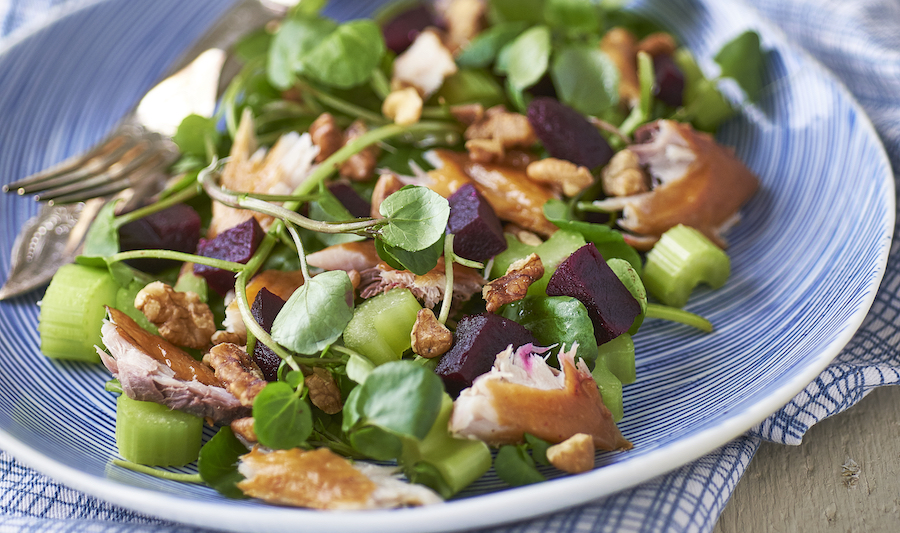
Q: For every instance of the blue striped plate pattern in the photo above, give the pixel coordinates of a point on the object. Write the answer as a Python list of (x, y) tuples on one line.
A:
[(807, 260)]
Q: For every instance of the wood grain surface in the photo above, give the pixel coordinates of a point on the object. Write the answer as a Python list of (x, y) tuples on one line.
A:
[(845, 477)]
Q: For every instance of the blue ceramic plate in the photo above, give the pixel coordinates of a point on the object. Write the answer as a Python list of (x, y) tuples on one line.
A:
[(807, 260)]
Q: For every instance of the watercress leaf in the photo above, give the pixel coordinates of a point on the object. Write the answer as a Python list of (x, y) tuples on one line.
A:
[(529, 56), (608, 241), (556, 320), (417, 217), (194, 133), (632, 281), (483, 49), (518, 10), (585, 79), (577, 17), (399, 158), (328, 208), (103, 237), (538, 449), (253, 45), (293, 378), (281, 420), (359, 367), (471, 86), (376, 443), (419, 263), (295, 39), (218, 462), (316, 314), (742, 60), (515, 467), (346, 57), (307, 8), (400, 397)]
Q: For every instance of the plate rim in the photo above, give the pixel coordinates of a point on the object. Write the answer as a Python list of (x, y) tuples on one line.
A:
[(496, 506)]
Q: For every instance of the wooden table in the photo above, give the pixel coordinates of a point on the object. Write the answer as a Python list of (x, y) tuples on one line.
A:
[(845, 477)]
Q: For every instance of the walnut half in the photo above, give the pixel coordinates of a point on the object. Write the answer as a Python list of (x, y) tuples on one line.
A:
[(513, 285), (429, 337), (561, 175), (181, 317)]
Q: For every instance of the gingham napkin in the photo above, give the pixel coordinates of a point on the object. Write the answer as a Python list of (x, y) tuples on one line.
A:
[(860, 42)]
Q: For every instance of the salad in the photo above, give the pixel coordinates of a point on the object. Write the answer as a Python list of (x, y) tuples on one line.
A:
[(424, 237)]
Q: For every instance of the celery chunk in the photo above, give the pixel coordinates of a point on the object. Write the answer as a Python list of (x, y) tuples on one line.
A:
[(151, 434), (682, 259), (381, 325), (72, 311)]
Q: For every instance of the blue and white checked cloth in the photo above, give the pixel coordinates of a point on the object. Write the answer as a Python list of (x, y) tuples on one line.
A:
[(860, 42)]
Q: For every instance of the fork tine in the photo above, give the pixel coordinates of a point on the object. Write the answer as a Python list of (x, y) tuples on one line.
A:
[(120, 175), (90, 174), (109, 150)]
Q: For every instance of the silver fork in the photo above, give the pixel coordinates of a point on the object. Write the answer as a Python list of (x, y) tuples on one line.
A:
[(130, 163)]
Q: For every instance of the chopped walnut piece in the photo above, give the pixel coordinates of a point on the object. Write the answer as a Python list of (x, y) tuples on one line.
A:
[(465, 19), (237, 371), (513, 285), (386, 185), (323, 391), (429, 337), (659, 43), (403, 106), (361, 165), (485, 150), (561, 175), (467, 114), (243, 427), (623, 175), (507, 128), (229, 336), (573, 455), (327, 135), (181, 317)]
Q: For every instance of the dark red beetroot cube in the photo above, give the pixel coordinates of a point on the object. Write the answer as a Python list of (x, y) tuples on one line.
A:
[(567, 134), (402, 30), (350, 199), (235, 244), (477, 233), (265, 308), (478, 340), (669, 86), (586, 276), (174, 228)]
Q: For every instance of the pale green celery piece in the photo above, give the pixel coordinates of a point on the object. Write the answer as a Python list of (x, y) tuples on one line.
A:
[(610, 388), (552, 252), (619, 356), (151, 434), (682, 259), (381, 325), (125, 302), (442, 462), (190, 282), (632, 281), (72, 312)]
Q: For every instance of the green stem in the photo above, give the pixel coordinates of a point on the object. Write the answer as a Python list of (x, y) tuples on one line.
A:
[(448, 275), (436, 113), (319, 361), (177, 256), (673, 314), (380, 83), (339, 104), (281, 197), (590, 207), (177, 198), (301, 252), (156, 472)]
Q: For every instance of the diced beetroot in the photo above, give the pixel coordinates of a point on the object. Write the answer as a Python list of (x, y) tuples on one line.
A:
[(174, 228), (567, 134), (584, 275), (478, 340), (402, 30), (265, 308), (350, 199), (669, 86), (235, 244), (477, 233)]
